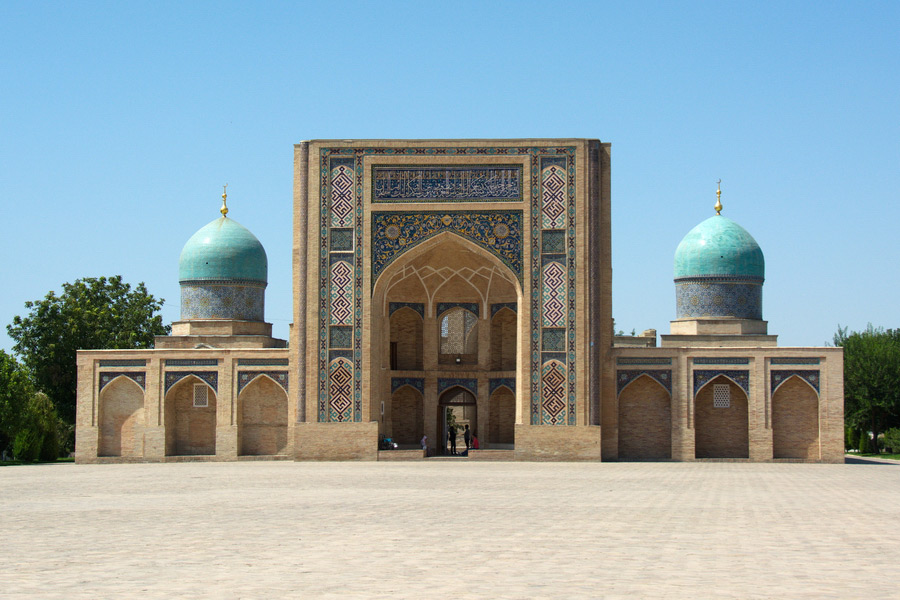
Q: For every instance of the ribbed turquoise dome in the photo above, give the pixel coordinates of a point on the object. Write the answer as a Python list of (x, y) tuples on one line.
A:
[(223, 250), (719, 247)]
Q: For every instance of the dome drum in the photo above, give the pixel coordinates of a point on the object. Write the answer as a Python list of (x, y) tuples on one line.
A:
[(201, 300), (738, 298)]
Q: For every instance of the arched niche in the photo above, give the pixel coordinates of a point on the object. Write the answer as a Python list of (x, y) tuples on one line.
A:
[(645, 420), (406, 340), (458, 406), (503, 340), (407, 416), (795, 420), (190, 426), (502, 418), (263, 418), (457, 336), (721, 432), (121, 418)]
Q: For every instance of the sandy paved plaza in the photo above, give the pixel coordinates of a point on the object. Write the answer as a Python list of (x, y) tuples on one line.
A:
[(450, 529)]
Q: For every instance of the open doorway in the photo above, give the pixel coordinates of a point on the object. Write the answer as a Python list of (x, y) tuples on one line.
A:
[(457, 408)]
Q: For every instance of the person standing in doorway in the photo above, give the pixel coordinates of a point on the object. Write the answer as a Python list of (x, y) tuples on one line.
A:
[(451, 437), (467, 436)]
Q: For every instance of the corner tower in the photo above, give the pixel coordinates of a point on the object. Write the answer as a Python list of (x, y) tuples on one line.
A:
[(719, 274), (223, 273)]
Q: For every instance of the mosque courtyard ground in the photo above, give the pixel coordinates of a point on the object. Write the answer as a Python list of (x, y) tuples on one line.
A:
[(451, 529)]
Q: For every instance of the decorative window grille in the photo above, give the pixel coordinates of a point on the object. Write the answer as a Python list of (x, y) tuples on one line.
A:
[(458, 332), (201, 395), (721, 395)]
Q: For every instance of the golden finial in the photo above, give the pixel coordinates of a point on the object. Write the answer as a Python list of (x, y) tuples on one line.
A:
[(224, 209), (718, 205)]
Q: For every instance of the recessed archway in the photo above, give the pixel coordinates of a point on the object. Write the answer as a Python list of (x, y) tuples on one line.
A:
[(502, 419), (263, 418), (721, 420), (795, 420), (457, 408), (407, 416), (190, 418), (121, 418), (645, 420)]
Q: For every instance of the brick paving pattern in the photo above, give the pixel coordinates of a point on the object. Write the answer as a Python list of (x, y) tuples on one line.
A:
[(450, 529)]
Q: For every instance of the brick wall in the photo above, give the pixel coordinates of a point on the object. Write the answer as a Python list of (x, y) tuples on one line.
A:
[(721, 432), (121, 419), (406, 331), (502, 417), (503, 341), (645, 421), (263, 418), (336, 441), (189, 430), (795, 421), (406, 416), (557, 443)]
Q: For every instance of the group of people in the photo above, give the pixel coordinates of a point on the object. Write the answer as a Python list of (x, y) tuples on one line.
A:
[(468, 436)]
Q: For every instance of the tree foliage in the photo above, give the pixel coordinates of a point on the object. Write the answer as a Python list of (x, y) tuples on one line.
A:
[(871, 379), (90, 313), (16, 388), (38, 434)]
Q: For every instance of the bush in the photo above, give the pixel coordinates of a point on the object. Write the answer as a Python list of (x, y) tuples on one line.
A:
[(892, 440), (851, 438), (864, 446), (38, 436)]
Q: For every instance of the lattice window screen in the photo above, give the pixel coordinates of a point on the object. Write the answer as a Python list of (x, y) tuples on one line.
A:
[(201, 395), (458, 332), (721, 395)]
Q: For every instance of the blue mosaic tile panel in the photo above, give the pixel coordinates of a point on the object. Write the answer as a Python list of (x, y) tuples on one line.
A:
[(341, 336), (495, 308), (342, 192), (340, 392), (553, 242), (128, 362), (553, 393), (554, 295), (553, 193), (262, 362), (795, 361), (705, 360), (333, 354), (558, 356), (342, 293), (210, 377), (416, 306), (739, 300), (553, 340), (643, 361), (499, 232), (497, 382), (417, 383), (741, 378), (246, 377), (341, 240), (192, 362), (108, 376), (445, 383), (809, 376), (441, 183), (443, 307), (239, 302), (662, 376)]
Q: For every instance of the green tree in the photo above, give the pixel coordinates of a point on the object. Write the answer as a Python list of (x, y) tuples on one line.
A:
[(38, 434), (90, 313), (871, 379), (16, 388)]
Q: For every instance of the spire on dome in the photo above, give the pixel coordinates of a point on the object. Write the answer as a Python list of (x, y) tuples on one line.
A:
[(718, 206), (224, 209)]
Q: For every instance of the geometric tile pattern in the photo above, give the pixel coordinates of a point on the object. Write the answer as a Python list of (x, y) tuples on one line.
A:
[(507, 382), (279, 377), (553, 388), (340, 387), (445, 383), (717, 298), (107, 377), (499, 232), (442, 183), (810, 377), (703, 360), (643, 361), (417, 383), (553, 242), (553, 191), (554, 295), (443, 307), (341, 336), (661, 376), (416, 306), (775, 361), (243, 302), (341, 293), (263, 362), (210, 377), (342, 193), (128, 362), (341, 240), (553, 340), (330, 158), (741, 378), (192, 362), (495, 308)]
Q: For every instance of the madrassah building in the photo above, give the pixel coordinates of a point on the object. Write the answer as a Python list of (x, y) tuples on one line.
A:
[(440, 284)]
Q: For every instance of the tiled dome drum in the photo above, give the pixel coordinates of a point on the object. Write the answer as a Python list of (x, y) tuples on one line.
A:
[(719, 272), (223, 273)]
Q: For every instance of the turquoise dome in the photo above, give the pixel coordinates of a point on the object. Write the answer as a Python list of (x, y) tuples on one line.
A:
[(223, 250), (719, 247)]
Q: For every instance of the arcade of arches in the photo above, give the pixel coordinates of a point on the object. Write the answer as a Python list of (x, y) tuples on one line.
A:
[(439, 284)]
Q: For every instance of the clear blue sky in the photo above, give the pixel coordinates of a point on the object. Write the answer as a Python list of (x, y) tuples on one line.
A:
[(120, 121)]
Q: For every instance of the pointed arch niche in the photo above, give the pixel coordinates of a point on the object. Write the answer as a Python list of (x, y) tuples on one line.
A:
[(721, 431), (121, 418), (645, 420), (263, 417), (795, 419), (190, 426)]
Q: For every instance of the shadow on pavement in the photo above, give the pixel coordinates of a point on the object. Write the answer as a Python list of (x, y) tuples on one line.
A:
[(856, 460)]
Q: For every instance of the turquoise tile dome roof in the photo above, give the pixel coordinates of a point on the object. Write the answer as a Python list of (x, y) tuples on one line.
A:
[(223, 250), (719, 247)]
